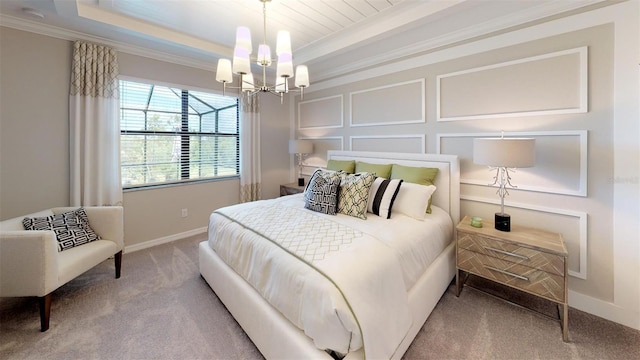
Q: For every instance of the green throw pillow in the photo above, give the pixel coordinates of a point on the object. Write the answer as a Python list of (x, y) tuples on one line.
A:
[(417, 175), (381, 170), (348, 166)]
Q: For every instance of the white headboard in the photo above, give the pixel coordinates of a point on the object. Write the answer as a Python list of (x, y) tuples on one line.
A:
[(447, 195)]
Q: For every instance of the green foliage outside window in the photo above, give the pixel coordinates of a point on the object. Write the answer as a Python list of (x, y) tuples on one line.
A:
[(172, 135)]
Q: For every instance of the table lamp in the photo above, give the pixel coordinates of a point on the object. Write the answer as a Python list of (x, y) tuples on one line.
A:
[(300, 148), (503, 154)]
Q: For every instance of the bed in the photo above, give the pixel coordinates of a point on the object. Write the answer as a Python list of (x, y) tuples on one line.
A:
[(279, 322)]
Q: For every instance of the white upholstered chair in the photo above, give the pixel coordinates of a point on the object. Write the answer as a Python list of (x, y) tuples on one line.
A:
[(31, 265)]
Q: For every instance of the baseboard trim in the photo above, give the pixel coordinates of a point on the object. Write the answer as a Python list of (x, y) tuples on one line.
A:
[(604, 309), (164, 240)]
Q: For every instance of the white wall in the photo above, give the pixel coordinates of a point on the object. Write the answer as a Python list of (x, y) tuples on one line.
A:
[(585, 184), (35, 71)]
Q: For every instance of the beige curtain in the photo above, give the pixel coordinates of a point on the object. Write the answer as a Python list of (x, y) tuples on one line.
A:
[(250, 149), (94, 126)]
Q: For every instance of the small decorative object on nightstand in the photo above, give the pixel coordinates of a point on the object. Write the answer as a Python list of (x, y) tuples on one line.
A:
[(290, 189), (530, 260)]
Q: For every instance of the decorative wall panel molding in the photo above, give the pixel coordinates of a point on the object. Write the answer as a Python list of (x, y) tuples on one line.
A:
[(395, 104), (388, 143), (555, 219), (553, 83), (321, 145), (321, 113), (560, 168)]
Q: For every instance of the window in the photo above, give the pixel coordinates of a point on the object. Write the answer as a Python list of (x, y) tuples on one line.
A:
[(171, 135)]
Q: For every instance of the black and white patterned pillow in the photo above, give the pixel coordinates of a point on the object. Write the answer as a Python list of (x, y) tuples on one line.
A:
[(382, 195), (71, 228), (353, 197), (321, 195), (327, 175)]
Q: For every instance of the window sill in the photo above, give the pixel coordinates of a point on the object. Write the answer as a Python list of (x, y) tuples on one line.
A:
[(179, 183)]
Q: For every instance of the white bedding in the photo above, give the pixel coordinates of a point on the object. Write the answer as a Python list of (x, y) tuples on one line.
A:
[(328, 320)]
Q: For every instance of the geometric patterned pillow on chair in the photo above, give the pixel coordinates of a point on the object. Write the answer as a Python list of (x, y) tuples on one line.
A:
[(71, 228)]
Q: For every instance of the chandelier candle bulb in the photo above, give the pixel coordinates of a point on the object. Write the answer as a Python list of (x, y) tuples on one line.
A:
[(224, 74), (264, 55), (243, 38), (285, 65), (281, 85), (283, 43), (247, 82), (302, 76), (241, 61)]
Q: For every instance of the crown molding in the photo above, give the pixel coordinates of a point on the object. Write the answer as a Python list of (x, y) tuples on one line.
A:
[(503, 23), (545, 9), (559, 25), (390, 20), (70, 35), (162, 33)]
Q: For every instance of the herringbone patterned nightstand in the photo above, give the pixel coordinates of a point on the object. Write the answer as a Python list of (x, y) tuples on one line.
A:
[(526, 259)]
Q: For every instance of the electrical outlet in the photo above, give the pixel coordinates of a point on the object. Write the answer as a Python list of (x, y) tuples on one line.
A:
[(185, 213)]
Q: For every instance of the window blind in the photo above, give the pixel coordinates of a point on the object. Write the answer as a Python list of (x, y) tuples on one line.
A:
[(170, 135)]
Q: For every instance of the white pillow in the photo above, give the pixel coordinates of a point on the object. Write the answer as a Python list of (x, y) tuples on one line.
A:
[(412, 199), (382, 195)]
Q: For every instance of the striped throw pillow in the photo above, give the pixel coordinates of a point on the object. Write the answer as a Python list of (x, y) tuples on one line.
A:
[(382, 195)]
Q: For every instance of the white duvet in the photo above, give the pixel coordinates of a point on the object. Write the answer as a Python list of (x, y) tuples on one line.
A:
[(346, 285)]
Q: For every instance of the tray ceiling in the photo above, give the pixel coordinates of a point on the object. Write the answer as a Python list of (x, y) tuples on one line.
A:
[(322, 31)]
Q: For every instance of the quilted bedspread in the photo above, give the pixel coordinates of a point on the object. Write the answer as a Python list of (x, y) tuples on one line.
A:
[(343, 287)]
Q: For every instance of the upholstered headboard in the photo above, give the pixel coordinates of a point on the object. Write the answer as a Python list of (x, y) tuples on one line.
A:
[(447, 195)]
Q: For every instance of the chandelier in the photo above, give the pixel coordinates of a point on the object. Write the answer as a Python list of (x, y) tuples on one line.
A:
[(242, 64)]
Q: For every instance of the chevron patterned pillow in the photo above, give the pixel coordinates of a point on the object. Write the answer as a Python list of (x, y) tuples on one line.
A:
[(71, 228)]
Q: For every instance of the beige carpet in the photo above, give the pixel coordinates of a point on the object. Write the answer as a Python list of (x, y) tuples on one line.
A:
[(162, 309)]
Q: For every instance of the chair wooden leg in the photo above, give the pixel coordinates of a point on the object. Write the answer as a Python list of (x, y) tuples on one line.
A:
[(45, 311), (118, 261)]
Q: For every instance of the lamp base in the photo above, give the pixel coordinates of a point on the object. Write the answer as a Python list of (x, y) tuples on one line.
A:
[(503, 222), (301, 181)]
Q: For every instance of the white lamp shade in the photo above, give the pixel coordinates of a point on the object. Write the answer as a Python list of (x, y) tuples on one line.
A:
[(285, 65), (241, 61), (282, 84), (247, 82), (264, 55), (283, 43), (504, 152), (243, 38), (223, 71), (302, 76), (300, 146)]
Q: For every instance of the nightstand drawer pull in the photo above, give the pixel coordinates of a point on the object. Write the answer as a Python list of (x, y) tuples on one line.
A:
[(507, 273), (507, 253)]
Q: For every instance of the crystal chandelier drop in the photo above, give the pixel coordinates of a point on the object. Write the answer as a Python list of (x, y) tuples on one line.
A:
[(241, 64)]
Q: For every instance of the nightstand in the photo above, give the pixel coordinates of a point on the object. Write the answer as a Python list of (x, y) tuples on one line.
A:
[(290, 189), (530, 260)]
